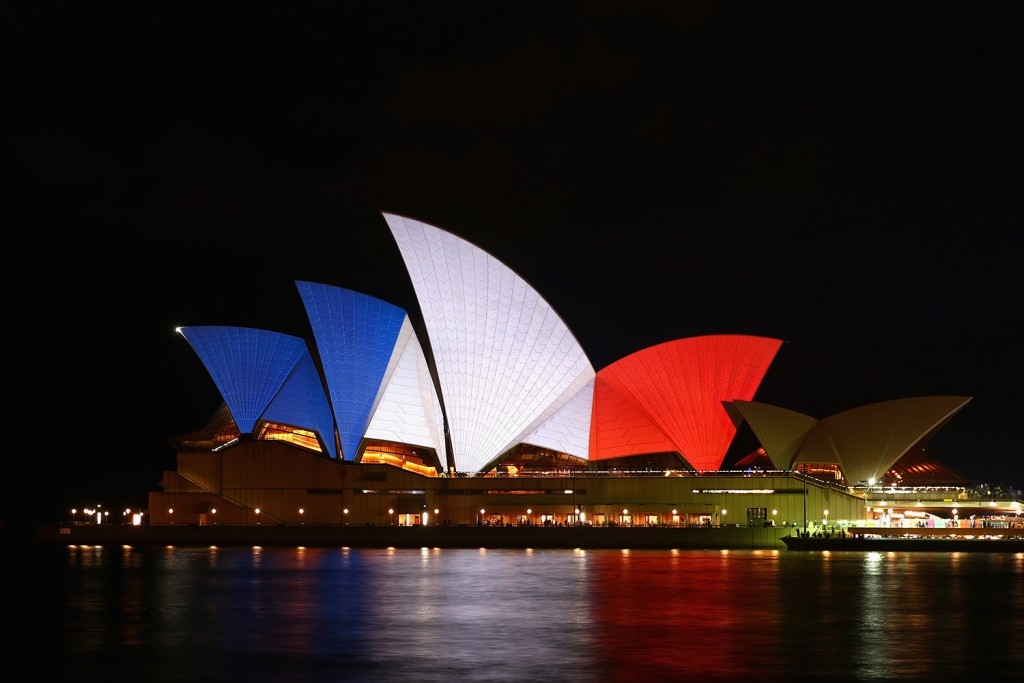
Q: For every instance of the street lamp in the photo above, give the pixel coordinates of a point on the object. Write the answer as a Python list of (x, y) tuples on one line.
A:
[(625, 514), (257, 511), (437, 520), (391, 516), (805, 499), (74, 519), (722, 522), (826, 517), (345, 515), (302, 511), (529, 516), (480, 519), (774, 512), (170, 514), (576, 512)]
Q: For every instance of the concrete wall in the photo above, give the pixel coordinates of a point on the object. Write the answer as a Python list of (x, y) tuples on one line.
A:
[(291, 486)]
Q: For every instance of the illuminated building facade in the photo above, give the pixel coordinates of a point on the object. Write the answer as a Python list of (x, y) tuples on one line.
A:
[(498, 416)]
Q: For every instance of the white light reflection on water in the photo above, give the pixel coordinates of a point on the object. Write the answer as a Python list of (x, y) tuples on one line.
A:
[(313, 614)]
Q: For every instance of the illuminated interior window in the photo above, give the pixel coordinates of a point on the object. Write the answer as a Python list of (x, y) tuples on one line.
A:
[(304, 438), (398, 455)]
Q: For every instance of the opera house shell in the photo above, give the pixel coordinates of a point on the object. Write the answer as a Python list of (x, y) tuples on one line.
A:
[(499, 389)]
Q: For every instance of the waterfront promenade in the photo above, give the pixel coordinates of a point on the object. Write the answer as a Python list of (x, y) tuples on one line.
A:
[(588, 537)]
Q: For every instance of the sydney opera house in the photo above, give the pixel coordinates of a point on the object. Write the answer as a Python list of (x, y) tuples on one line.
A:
[(482, 408)]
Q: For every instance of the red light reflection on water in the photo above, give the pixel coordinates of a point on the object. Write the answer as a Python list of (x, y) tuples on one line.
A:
[(658, 614)]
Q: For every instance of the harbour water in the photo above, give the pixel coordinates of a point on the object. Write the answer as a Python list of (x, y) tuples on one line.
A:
[(334, 614)]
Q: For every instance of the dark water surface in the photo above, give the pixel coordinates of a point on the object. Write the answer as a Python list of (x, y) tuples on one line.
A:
[(512, 615)]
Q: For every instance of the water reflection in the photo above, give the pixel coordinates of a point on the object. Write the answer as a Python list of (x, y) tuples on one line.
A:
[(685, 614), (510, 615)]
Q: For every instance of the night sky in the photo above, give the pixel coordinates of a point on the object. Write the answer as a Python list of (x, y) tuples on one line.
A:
[(845, 177)]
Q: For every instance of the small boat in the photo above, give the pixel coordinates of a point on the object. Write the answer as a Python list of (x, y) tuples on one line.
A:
[(913, 540)]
